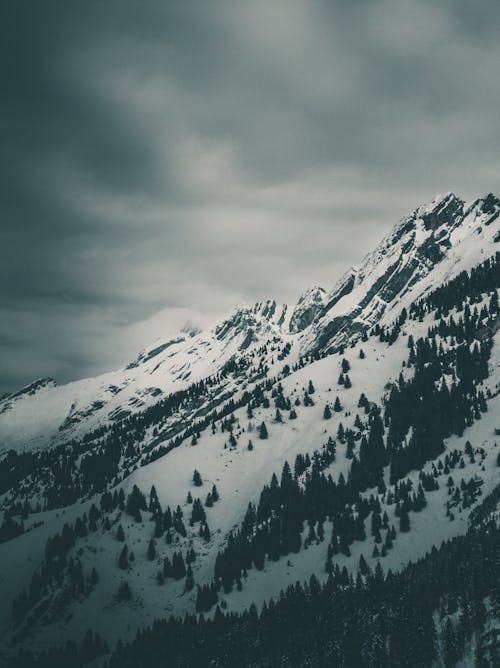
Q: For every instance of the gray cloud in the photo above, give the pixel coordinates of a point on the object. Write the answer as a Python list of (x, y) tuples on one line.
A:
[(173, 158)]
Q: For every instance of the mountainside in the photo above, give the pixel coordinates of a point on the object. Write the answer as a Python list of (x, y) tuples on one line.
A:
[(45, 414), (357, 427), (425, 249)]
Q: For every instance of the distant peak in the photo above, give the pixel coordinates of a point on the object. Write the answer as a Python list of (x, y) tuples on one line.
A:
[(310, 303), (490, 203), (34, 387), (438, 202), (258, 317), (314, 292)]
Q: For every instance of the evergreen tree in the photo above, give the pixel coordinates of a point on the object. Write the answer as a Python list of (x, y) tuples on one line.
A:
[(124, 592), (189, 584), (151, 550), (123, 558)]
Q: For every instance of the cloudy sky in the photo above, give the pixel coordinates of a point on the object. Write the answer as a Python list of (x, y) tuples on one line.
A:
[(161, 161)]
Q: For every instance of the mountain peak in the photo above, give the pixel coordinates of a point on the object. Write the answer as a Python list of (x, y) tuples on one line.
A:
[(33, 387), (306, 309), (442, 210), (256, 317), (421, 245)]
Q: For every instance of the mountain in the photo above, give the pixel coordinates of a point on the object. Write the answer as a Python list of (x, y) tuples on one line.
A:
[(149, 491), (425, 249), (43, 414)]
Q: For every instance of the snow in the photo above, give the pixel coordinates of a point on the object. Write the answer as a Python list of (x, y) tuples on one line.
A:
[(29, 422), (239, 475), (57, 414)]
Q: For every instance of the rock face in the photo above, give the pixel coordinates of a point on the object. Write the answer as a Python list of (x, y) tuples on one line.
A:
[(428, 246), (309, 305)]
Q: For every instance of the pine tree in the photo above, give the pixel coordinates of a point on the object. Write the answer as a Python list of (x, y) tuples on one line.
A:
[(327, 413), (189, 584), (450, 649), (205, 532), (341, 432), (263, 431), (363, 566), (135, 503), (197, 481), (404, 521), (154, 503), (178, 566), (123, 558), (337, 406), (124, 592), (151, 550)]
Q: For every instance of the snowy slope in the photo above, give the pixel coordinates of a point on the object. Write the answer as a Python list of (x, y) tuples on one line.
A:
[(239, 475), (53, 414), (423, 251)]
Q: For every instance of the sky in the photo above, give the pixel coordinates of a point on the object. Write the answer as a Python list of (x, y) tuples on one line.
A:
[(163, 161)]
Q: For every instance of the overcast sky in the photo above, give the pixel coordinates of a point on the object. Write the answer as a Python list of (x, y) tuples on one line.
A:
[(161, 161)]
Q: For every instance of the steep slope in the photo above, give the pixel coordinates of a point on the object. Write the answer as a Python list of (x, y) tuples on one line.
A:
[(45, 414), (425, 249), (372, 476), (240, 474), (428, 247)]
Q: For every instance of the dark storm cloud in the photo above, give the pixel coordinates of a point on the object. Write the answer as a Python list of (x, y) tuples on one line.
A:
[(177, 157)]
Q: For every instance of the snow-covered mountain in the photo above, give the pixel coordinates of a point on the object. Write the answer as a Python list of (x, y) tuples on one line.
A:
[(45, 414), (269, 384), (425, 249)]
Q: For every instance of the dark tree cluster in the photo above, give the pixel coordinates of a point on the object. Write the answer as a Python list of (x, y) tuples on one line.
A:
[(428, 613)]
